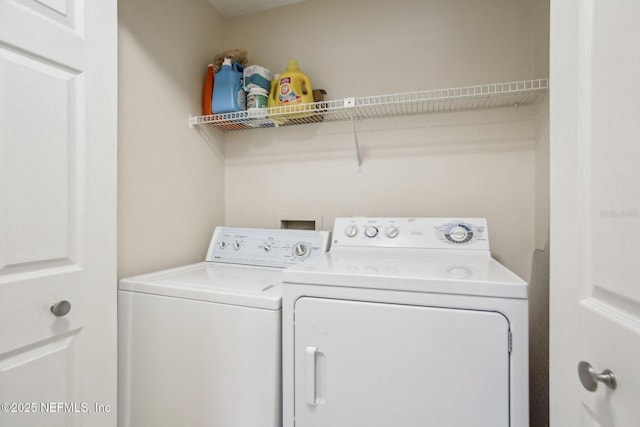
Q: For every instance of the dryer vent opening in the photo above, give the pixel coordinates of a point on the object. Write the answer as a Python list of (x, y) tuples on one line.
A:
[(298, 224)]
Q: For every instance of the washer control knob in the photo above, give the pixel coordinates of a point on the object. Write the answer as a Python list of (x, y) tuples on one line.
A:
[(300, 250), (222, 244), (392, 232), (267, 248), (236, 245), (371, 231), (351, 231)]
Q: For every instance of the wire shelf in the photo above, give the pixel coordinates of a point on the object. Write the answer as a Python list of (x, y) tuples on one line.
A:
[(495, 95)]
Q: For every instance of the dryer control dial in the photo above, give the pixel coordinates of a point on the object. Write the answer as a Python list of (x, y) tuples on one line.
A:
[(391, 232), (459, 233), (371, 231), (236, 245)]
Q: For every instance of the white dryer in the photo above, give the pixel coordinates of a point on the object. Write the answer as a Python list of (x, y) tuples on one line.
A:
[(405, 322), (200, 345)]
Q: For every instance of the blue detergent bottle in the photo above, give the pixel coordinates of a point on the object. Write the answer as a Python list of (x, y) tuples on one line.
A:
[(228, 94)]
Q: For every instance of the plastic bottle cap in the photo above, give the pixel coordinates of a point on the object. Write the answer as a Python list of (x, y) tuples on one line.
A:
[(227, 61), (292, 65)]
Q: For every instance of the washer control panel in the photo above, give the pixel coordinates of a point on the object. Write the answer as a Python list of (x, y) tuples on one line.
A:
[(265, 247), (426, 233)]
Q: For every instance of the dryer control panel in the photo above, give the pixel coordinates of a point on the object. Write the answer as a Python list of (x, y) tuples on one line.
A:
[(265, 247), (424, 233)]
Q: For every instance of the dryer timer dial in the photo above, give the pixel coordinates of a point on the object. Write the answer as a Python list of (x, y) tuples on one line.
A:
[(459, 233)]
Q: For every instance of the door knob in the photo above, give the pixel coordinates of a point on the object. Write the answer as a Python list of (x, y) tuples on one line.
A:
[(61, 308), (589, 378)]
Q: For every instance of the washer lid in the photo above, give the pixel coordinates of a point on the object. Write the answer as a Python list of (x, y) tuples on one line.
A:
[(416, 270), (257, 287)]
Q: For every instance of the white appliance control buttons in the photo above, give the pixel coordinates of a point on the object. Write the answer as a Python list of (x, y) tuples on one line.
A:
[(351, 231), (424, 233), (371, 231), (391, 232), (301, 250), (266, 247)]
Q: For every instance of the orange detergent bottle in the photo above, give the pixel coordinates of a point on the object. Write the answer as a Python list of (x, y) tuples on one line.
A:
[(207, 95)]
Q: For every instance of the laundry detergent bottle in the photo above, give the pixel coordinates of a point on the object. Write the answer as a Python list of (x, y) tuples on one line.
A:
[(294, 88), (207, 94), (273, 91), (228, 94), (275, 115)]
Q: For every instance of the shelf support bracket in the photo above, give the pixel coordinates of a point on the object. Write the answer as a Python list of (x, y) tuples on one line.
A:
[(351, 103), (355, 140)]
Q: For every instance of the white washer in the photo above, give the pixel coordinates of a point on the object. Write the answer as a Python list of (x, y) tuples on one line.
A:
[(200, 345), (405, 322)]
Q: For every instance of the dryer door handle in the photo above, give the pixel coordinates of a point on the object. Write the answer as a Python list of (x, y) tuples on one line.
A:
[(310, 375)]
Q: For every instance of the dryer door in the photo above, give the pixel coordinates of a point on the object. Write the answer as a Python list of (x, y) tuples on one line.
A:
[(380, 365)]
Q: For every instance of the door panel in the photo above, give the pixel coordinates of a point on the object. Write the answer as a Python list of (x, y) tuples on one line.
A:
[(65, 12), (50, 361), (595, 210), (587, 418), (360, 363), (612, 152), (39, 184), (57, 211)]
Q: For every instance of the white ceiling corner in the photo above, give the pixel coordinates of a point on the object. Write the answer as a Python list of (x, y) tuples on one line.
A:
[(231, 8)]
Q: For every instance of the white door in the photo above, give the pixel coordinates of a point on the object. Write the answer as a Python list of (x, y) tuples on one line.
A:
[(380, 365), (58, 68), (595, 210)]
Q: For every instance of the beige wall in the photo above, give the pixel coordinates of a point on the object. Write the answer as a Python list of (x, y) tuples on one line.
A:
[(177, 183), (541, 64), (542, 182), (371, 47), (540, 22), (453, 164), (171, 182)]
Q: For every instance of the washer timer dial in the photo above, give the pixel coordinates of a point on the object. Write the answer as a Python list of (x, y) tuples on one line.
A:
[(301, 249)]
